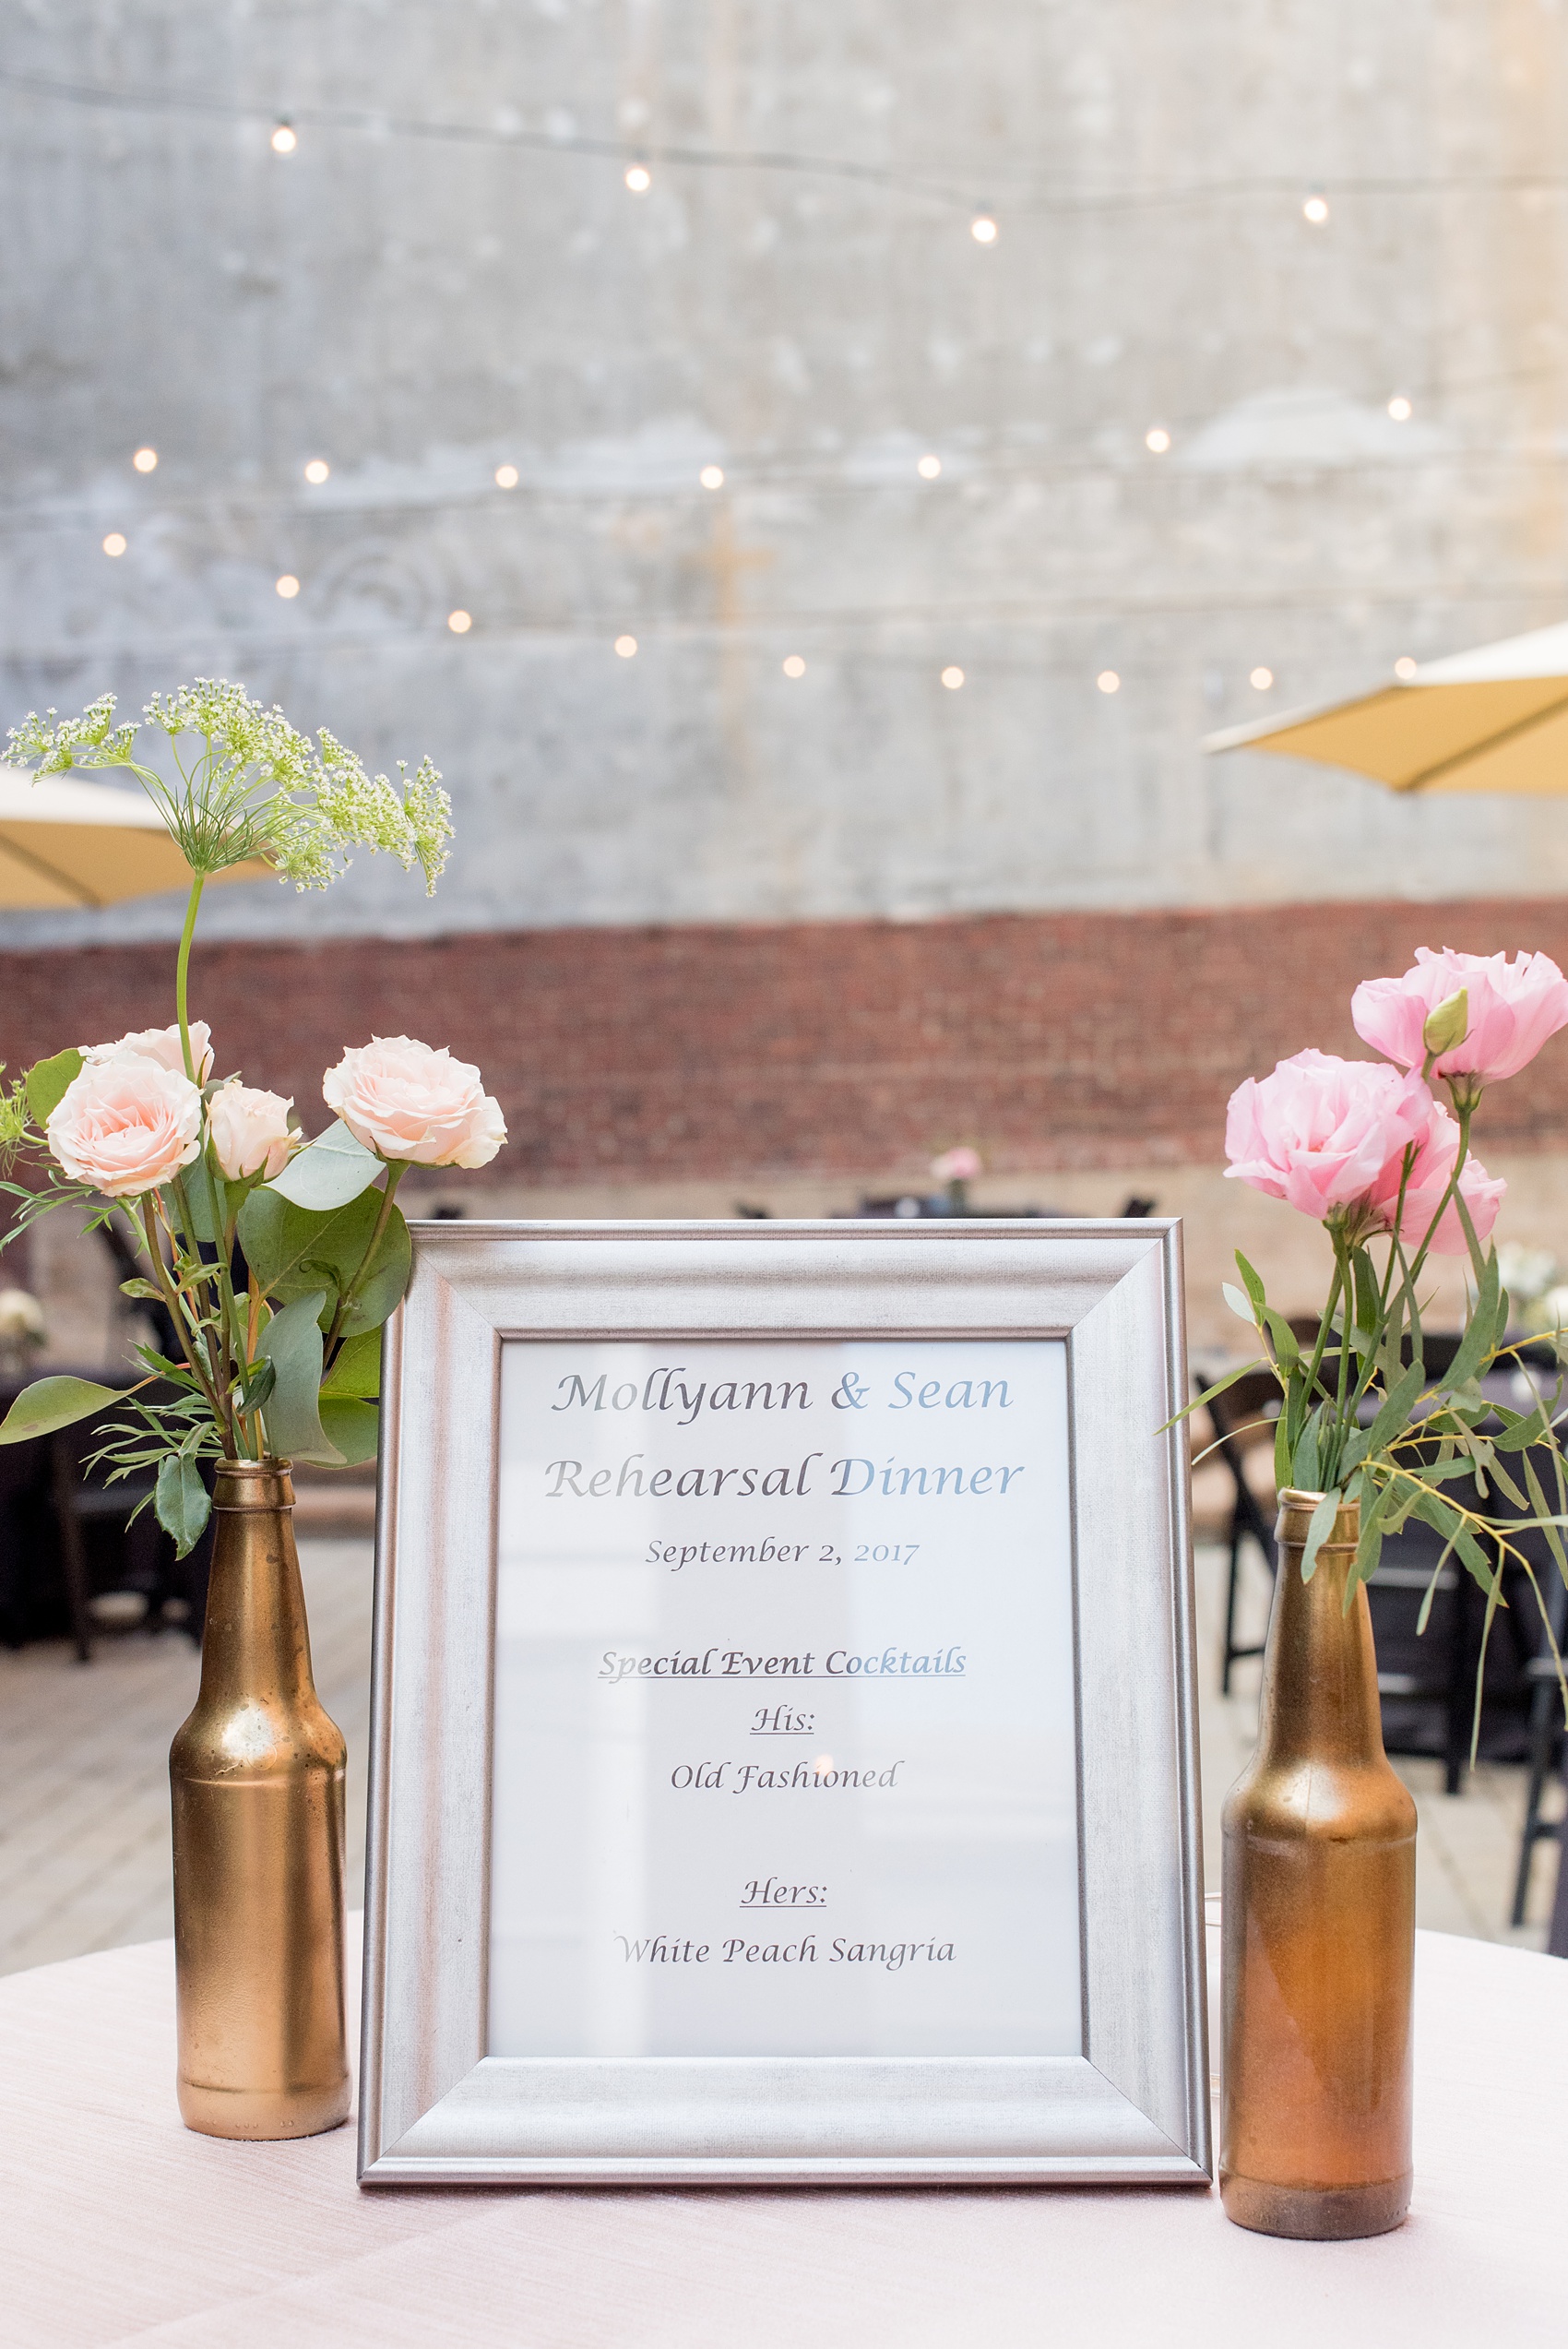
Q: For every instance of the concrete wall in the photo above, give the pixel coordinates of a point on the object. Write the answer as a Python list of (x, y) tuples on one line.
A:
[(419, 310)]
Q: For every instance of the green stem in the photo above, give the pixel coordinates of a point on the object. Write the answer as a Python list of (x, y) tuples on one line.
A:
[(395, 1170), (181, 973), (172, 1298)]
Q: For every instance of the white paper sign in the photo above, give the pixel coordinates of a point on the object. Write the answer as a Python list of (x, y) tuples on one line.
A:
[(784, 1732)]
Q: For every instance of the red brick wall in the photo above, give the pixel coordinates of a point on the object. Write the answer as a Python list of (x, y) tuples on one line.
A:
[(1052, 1040)]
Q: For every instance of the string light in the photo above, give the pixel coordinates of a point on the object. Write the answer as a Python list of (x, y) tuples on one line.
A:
[(288, 587), (1315, 209), (929, 467), (145, 460), (627, 647), (284, 139), (1157, 438), (712, 477), (113, 543), (794, 666), (459, 622), (1405, 666), (317, 471), (952, 679), (639, 179), (1400, 409), (1109, 682), (1262, 679), (983, 229), (505, 477)]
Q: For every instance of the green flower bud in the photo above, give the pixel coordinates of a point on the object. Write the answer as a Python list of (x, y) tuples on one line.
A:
[(1449, 1024)]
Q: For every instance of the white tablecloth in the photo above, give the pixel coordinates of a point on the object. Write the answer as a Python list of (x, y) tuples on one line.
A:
[(118, 2225)]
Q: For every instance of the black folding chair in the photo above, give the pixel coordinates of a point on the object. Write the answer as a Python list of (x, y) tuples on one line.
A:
[(1243, 1418)]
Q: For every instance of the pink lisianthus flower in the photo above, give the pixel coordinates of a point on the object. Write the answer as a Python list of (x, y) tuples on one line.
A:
[(1319, 1132), (250, 1130), (961, 1165), (161, 1045), (407, 1100), (1430, 1176), (1514, 1008), (126, 1125)]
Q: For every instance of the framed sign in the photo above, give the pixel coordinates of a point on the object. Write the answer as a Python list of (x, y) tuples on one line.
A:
[(784, 1753)]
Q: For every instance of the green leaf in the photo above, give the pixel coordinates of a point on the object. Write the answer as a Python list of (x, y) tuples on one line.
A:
[(292, 1250), (258, 1382), (48, 1404), (355, 1427), (1304, 1468), (46, 1081), (1480, 1338), (197, 1206), (292, 1342), (1255, 1286), (327, 1173), (356, 1374), (181, 1502), (1398, 1406), (1286, 1351), (1319, 1527), (1239, 1304)]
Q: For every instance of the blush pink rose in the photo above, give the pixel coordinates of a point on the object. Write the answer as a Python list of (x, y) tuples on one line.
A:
[(1430, 1176), (1514, 1008), (125, 1125), (405, 1100), (1320, 1132), (161, 1045), (250, 1130)]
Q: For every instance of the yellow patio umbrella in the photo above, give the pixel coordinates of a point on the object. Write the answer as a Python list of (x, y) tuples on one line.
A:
[(1495, 720), (68, 843)]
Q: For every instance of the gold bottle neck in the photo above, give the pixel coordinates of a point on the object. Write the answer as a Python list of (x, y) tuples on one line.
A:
[(256, 1643), (1320, 1668)]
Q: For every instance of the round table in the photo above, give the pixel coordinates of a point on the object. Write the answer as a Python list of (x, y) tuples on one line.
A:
[(122, 2226)]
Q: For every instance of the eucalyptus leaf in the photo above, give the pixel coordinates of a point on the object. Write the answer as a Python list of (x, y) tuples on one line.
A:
[(355, 1374), (1319, 1527), (292, 1342), (327, 1173), (293, 1250), (46, 1083), (181, 1502), (1398, 1406), (54, 1403), (353, 1426)]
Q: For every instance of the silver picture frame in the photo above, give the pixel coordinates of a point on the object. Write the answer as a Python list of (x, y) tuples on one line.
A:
[(1134, 2106)]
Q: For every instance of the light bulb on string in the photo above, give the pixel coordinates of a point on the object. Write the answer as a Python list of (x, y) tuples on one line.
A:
[(505, 477), (1315, 209), (288, 587), (953, 677), (983, 229), (459, 622), (929, 467), (317, 471), (1109, 682), (284, 139), (1157, 439), (114, 543), (712, 477), (1399, 407), (639, 179), (627, 647), (145, 460), (1404, 667), (794, 666), (1261, 679)]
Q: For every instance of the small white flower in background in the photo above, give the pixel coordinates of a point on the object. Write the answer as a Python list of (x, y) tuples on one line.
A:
[(161, 1045), (251, 1133), (409, 1101), (125, 1125), (1526, 1273), (21, 1320), (961, 1165)]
